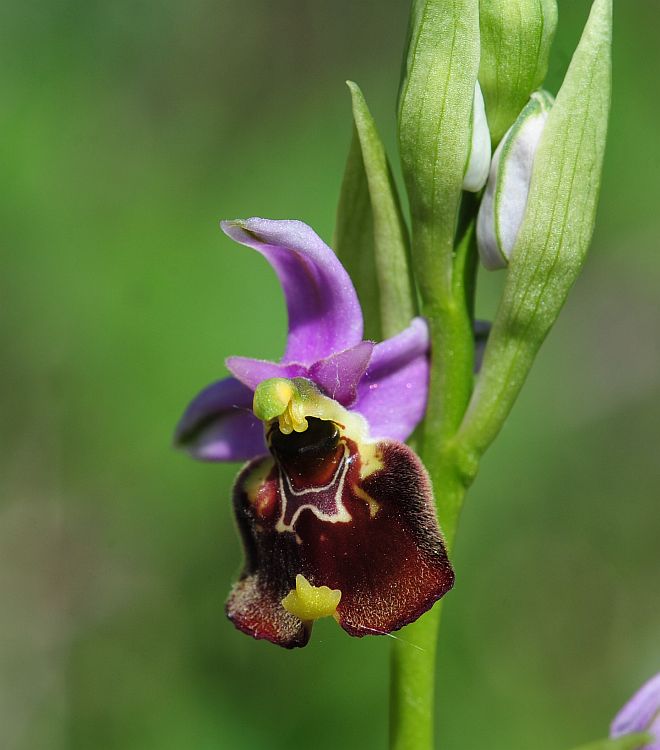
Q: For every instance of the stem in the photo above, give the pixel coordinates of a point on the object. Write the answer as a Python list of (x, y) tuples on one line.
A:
[(412, 683), (451, 383), (413, 657), (413, 671)]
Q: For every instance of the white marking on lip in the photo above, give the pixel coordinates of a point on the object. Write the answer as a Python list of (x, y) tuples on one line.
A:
[(339, 477)]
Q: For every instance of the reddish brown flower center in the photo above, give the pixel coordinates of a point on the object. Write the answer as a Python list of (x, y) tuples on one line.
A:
[(313, 466)]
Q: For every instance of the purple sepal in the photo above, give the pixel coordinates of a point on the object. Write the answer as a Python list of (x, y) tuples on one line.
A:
[(641, 714), (392, 395), (324, 313), (219, 424)]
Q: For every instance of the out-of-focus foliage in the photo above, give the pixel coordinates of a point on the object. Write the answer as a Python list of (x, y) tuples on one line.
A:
[(128, 130)]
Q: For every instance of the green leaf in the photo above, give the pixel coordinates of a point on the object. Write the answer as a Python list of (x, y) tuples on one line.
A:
[(372, 238), (391, 244), (555, 234), (629, 742), (435, 111), (354, 238), (516, 36)]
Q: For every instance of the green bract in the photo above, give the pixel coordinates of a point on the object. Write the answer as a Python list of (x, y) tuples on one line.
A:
[(556, 230), (516, 36), (371, 237)]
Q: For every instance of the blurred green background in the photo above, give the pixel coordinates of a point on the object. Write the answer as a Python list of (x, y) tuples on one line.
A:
[(129, 129)]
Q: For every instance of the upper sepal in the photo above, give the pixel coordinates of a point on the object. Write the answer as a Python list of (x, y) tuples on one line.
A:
[(324, 313)]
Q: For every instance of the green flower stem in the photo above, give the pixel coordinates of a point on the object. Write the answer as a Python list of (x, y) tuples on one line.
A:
[(412, 683), (413, 669), (451, 384), (413, 658)]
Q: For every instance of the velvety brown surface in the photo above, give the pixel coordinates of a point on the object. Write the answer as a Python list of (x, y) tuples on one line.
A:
[(386, 554)]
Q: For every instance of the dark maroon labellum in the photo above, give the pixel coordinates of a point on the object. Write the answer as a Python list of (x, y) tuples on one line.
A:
[(360, 519)]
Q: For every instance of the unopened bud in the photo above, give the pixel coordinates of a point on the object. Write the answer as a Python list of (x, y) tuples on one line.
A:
[(504, 202), (516, 36), (476, 172)]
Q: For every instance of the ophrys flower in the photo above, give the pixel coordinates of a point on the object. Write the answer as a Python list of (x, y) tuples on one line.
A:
[(336, 513)]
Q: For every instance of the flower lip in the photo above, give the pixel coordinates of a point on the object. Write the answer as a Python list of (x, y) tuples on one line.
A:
[(359, 520)]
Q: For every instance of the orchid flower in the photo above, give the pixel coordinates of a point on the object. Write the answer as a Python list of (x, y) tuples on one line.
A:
[(336, 514)]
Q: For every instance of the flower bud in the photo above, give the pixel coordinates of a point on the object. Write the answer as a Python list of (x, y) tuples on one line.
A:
[(436, 102), (558, 206), (516, 36), (504, 202), (476, 172)]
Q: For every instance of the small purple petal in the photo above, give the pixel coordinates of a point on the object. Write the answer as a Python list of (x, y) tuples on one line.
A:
[(339, 375), (641, 714), (219, 424), (392, 395), (324, 312), (251, 372)]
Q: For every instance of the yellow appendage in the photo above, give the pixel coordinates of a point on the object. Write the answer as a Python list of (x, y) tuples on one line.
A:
[(309, 602), (293, 417), (280, 399)]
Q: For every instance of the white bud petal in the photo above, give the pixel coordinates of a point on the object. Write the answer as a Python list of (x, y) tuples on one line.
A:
[(476, 173), (503, 206)]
